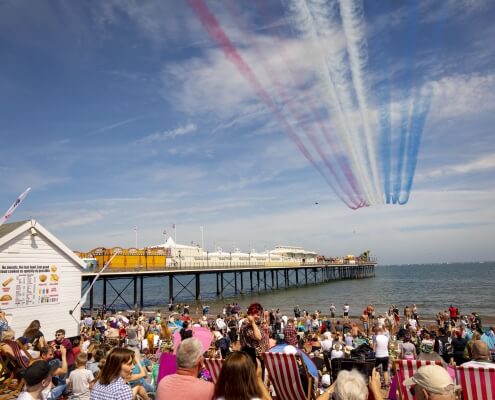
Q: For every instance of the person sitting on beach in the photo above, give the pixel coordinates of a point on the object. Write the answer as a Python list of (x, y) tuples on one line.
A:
[(185, 384), (481, 356), (337, 351), (111, 384), (81, 379), (327, 343), (240, 368), (353, 385), (33, 336), (431, 382), (37, 378)]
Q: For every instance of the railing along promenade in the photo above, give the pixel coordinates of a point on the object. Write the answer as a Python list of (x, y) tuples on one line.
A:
[(239, 277)]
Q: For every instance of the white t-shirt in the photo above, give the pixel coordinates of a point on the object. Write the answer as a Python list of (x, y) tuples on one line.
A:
[(413, 323), (24, 396), (336, 354), (381, 342), (80, 380), (326, 344)]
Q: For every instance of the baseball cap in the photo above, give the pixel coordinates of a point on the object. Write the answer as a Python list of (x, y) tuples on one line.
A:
[(36, 372), (434, 378)]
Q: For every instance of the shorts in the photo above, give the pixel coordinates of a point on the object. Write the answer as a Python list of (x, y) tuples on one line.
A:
[(383, 361), (346, 313)]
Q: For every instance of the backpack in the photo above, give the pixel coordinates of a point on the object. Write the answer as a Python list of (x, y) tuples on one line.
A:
[(444, 346), (223, 344)]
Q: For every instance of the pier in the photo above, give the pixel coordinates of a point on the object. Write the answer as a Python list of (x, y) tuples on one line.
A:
[(242, 279)]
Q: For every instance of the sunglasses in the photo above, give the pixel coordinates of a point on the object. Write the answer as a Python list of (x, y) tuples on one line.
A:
[(58, 334), (412, 390)]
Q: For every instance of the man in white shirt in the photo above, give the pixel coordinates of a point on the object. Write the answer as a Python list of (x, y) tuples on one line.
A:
[(380, 347), (431, 382)]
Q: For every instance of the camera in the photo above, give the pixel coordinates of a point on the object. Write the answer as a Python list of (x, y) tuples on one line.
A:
[(57, 347)]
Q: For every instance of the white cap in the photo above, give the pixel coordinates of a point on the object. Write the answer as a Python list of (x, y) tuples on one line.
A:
[(325, 380), (289, 349), (433, 378)]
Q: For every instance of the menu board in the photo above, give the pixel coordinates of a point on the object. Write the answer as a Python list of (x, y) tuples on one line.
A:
[(28, 285)]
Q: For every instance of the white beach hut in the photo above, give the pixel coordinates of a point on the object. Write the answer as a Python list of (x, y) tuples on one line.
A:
[(40, 278)]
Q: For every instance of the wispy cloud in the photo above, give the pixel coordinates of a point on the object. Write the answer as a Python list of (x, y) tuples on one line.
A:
[(115, 125), (169, 134), (484, 163)]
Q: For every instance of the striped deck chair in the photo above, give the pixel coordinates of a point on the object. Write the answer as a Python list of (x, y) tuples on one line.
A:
[(406, 369), (10, 382), (284, 375), (214, 366), (476, 383)]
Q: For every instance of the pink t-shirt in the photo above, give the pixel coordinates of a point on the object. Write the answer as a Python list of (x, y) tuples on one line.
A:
[(184, 387)]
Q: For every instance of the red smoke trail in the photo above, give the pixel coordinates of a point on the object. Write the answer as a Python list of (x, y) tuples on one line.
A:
[(216, 32), (293, 109), (357, 196)]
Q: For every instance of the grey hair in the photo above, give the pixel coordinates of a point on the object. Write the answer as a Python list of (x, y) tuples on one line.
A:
[(188, 353), (350, 385)]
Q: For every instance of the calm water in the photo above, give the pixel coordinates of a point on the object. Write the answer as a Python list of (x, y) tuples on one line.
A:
[(431, 287)]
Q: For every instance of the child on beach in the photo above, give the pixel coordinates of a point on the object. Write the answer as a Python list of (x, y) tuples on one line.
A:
[(81, 379)]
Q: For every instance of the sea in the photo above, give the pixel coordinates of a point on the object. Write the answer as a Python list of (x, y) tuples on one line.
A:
[(432, 287)]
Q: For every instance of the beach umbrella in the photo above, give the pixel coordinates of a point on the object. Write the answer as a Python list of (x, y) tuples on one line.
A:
[(310, 365), (202, 334)]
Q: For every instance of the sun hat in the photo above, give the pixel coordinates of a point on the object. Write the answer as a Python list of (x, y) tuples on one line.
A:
[(325, 380), (434, 378), (289, 349)]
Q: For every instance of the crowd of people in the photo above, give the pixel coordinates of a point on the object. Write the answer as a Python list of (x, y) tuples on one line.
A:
[(123, 356)]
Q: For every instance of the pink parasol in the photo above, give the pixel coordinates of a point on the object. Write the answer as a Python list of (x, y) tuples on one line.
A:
[(202, 334)]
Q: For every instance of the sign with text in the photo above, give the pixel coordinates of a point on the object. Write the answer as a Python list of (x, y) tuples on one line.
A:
[(28, 285)]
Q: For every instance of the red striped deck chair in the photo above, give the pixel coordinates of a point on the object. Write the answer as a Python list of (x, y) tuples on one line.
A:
[(214, 366), (476, 383), (284, 375), (406, 369)]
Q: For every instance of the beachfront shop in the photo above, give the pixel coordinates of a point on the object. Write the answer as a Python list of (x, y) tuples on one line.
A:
[(40, 278)]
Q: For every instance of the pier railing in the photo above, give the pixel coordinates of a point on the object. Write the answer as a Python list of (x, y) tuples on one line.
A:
[(194, 266)]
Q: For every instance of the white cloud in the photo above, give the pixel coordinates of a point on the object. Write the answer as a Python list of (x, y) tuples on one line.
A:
[(481, 164), (463, 95), (169, 134)]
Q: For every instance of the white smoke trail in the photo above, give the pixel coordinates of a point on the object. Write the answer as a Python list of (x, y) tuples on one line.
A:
[(352, 13), (303, 21)]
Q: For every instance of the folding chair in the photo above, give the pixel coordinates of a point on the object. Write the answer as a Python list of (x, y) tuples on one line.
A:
[(476, 383), (283, 371), (406, 369), (214, 366), (10, 383)]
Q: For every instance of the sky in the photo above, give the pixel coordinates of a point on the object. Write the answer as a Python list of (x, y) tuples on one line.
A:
[(126, 113)]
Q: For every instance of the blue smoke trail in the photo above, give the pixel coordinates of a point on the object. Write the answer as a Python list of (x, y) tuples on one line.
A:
[(421, 107), (410, 50)]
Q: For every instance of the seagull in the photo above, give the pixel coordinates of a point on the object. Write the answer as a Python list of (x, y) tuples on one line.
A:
[(316, 203)]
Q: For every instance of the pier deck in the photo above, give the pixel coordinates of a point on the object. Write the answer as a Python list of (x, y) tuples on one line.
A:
[(238, 278)]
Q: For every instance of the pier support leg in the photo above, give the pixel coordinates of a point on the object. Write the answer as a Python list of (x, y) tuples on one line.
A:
[(286, 278), (242, 283), (104, 291), (273, 278), (235, 282), (134, 297), (141, 292), (306, 275), (171, 288), (297, 277), (251, 279), (91, 300), (258, 276), (218, 287), (276, 276), (221, 283), (198, 287), (264, 278)]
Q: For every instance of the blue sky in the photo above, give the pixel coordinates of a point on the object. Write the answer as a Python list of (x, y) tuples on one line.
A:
[(126, 113)]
